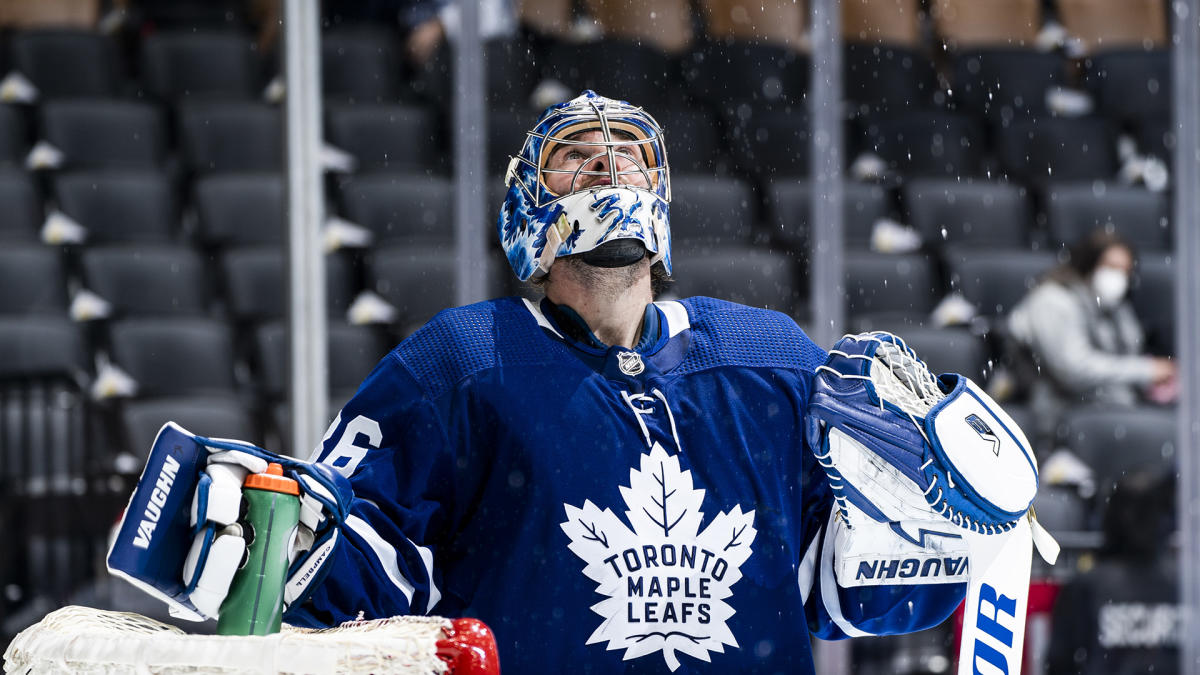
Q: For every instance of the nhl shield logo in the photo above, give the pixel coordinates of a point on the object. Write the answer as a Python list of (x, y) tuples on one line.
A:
[(630, 363)]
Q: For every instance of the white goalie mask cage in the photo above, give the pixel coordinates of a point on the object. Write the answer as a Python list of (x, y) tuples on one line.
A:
[(592, 170)]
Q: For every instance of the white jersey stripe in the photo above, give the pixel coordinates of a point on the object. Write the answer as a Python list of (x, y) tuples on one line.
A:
[(676, 315), (384, 552)]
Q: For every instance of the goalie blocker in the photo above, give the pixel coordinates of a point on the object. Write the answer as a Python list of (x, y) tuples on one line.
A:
[(932, 483), (180, 539)]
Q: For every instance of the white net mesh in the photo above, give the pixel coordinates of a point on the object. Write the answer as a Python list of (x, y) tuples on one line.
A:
[(82, 640), (903, 380)]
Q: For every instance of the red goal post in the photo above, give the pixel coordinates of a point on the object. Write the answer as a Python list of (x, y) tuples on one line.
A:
[(78, 639)]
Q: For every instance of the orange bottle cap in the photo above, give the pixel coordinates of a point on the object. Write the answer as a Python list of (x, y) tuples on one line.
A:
[(272, 480)]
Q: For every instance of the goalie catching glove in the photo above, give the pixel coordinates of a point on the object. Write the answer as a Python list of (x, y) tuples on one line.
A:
[(932, 483), (181, 539)]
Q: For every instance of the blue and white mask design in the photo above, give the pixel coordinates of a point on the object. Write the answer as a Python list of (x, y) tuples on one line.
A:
[(593, 170)]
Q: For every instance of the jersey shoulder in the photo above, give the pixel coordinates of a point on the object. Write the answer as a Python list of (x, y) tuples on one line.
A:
[(726, 333), (464, 341)]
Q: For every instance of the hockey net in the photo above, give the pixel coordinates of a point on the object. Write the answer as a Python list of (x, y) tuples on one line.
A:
[(90, 641)]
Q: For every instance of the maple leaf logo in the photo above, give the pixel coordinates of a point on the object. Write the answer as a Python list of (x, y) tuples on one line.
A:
[(665, 580)]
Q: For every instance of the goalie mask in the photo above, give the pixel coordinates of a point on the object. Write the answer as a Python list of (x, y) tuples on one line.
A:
[(591, 179)]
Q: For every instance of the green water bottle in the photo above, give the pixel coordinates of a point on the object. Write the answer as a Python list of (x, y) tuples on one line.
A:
[(254, 605)]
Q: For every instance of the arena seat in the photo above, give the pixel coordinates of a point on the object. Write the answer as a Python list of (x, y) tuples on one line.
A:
[(749, 275), (231, 136), (255, 283), (925, 143), (105, 133), (1140, 216), (1130, 85), (993, 279), (240, 209), (14, 137), (979, 213), (789, 207), (901, 286), (887, 78), (353, 353), (22, 214), (1006, 83), (418, 280), (120, 206), (359, 64), (694, 143), (400, 208), (1153, 298), (769, 143), (222, 416), (32, 280), (388, 137), (713, 210), (949, 350), (170, 356), (67, 63), (147, 280), (1056, 148), (37, 345), (1114, 440), (183, 64)]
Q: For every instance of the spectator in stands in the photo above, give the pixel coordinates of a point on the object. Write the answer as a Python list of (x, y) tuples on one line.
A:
[(1122, 615), (1080, 328)]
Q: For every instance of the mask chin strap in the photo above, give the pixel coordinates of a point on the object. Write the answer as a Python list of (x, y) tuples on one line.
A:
[(616, 253)]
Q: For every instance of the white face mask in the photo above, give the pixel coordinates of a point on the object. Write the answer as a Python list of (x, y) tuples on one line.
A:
[(1109, 285)]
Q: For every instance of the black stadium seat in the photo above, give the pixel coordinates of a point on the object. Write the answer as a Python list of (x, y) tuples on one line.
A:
[(120, 206), (221, 416), (359, 64), (170, 356), (400, 208), (14, 137), (22, 213), (1056, 148), (1130, 85), (67, 63), (712, 210), (1114, 440), (994, 280), (180, 64), (694, 143), (883, 78), (789, 207), (391, 137), (256, 283), (144, 280), (418, 280), (240, 209), (948, 350), (353, 353), (926, 143), (231, 136), (32, 280), (105, 133), (1153, 298), (900, 288), (980, 213), (1006, 83), (38, 345), (749, 275), (1137, 214)]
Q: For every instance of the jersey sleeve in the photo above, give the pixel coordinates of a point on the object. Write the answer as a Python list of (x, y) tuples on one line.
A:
[(391, 443), (835, 612)]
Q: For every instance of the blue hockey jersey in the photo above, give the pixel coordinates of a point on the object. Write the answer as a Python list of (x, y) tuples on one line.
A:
[(603, 509)]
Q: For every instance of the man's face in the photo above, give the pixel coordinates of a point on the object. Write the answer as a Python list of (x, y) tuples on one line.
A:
[(592, 164)]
